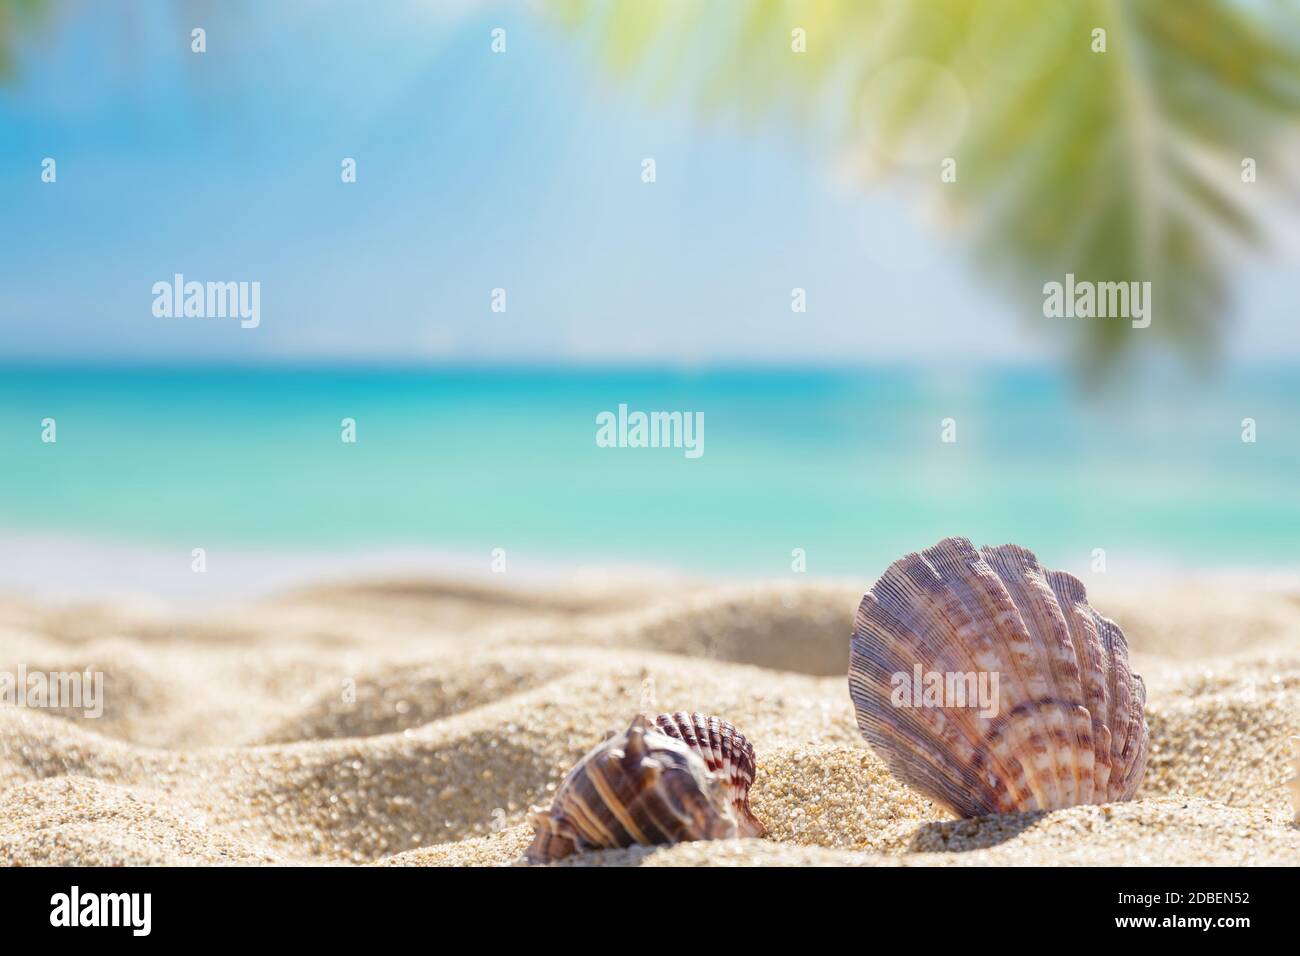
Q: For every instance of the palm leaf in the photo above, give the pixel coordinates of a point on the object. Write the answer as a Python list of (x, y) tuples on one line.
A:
[(1115, 166)]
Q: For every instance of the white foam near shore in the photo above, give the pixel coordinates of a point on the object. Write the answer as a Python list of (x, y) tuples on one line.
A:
[(59, 569)]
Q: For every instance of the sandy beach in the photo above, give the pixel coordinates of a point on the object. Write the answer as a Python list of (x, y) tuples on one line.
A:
[(414, 722)]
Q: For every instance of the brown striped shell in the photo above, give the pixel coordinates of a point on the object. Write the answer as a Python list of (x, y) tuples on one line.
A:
[(645, 786), (1067, 723), (727, 754)]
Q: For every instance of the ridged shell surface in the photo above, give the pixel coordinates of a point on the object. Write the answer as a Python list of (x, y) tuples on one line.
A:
[(1068, 726), (640, 786), (727, 754)]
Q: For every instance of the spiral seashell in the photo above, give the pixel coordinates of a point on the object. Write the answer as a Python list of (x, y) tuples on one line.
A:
[(727, 754), (1061, 718), (645, 786)]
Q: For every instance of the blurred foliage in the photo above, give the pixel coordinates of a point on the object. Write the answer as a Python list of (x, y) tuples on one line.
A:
[(1116, 166), (16, 16)]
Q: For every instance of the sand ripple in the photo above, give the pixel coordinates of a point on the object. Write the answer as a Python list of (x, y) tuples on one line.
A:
[(413, 723)]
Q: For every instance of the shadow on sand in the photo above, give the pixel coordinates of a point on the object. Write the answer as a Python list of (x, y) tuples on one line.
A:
[(979, 833)]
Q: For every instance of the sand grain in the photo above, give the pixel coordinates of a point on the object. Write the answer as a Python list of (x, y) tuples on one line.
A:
[(414, 723)]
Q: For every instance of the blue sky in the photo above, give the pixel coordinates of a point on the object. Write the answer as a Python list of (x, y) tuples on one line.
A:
[(475, 171)]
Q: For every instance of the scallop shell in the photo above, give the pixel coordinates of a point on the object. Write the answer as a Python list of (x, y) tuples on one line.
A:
[(1068, 726), (640, 786), (727, 754)]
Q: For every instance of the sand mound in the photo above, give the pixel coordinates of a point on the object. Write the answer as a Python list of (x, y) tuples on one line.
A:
[(415, 723), (72, 821)]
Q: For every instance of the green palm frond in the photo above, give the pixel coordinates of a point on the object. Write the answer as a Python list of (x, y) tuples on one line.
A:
[(1115, 166)]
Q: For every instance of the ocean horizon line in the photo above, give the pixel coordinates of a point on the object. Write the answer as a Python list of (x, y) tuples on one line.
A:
[(472, 363)]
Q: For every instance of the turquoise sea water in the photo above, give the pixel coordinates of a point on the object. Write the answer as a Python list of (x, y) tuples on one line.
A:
[(845, 464)]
